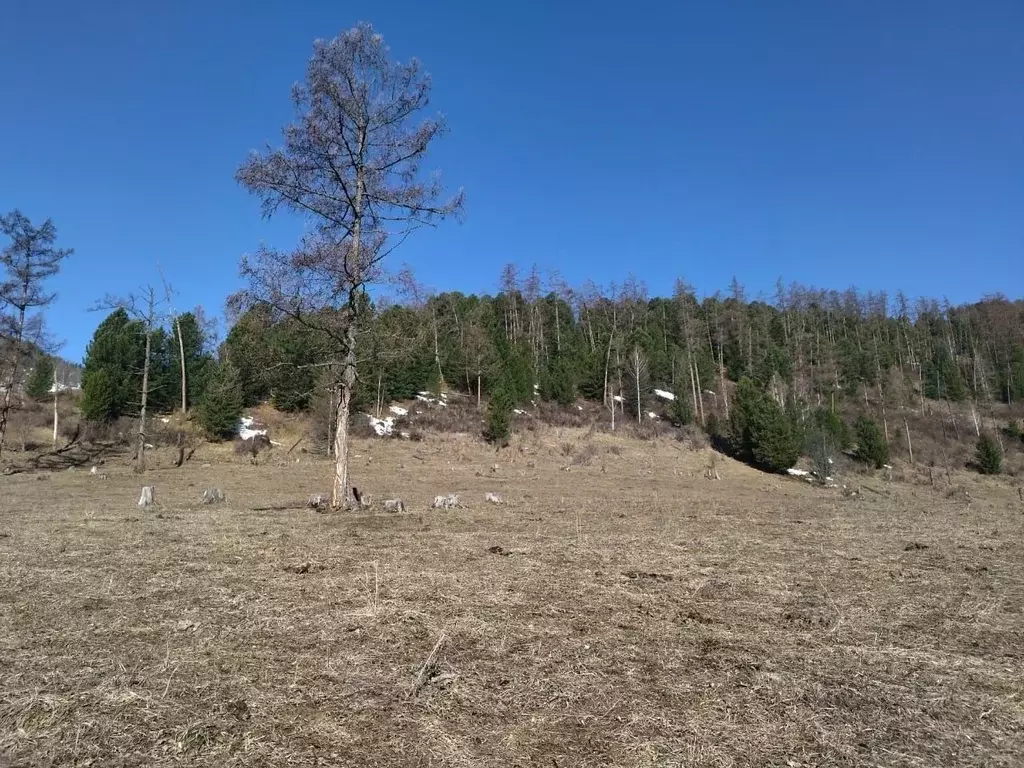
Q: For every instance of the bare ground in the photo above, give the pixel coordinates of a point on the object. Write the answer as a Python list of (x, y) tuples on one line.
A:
[(626, 611)]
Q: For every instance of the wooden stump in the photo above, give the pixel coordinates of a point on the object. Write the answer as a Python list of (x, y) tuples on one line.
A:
[(146, 499)]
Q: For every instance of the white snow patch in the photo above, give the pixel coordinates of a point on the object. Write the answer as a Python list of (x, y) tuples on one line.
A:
[(518, 412), (798, 472), (619, 399), (579, 407), (383, 427), (399, 410), (652, 415), (664, 395), (165, 420), (246, 428)]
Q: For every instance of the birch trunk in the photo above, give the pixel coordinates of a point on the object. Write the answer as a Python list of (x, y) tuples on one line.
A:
[(140, 455)]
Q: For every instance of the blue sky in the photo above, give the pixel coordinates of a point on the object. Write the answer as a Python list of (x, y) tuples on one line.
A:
[(871, 143)]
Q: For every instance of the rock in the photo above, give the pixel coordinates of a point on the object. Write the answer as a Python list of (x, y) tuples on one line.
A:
[(493, 498), (146, 499), (213, 496), (451, 501), (93, 471), (394, 505)]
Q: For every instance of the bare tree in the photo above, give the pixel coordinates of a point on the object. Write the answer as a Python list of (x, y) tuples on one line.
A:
[(147, 309), (351, 165), (28, 261)]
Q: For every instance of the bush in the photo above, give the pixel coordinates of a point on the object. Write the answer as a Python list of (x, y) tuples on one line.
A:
[(989, 455), (221, 406), (760, 430), (871, 446)]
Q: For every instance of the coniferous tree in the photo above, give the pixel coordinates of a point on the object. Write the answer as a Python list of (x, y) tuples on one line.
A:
[(40, 381), (99, 397), (988, 455), (871, 445), (221, 406)]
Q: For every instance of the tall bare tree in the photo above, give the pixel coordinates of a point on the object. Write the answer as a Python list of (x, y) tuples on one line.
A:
[(27, 261), (149, 312), (351, 165)]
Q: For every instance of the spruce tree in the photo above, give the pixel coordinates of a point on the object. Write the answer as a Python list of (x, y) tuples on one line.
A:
[(871, 446), (499, 414), (989, 455), (40, 381), (221, 407), (99, 397)]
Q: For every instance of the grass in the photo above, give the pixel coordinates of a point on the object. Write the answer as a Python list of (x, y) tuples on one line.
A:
[(624, 611)]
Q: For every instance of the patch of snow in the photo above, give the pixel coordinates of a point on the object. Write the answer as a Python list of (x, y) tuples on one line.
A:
[(518, 412), (798, 472), (579, 407), (652, 415), (708, 392), (399, 410), (55, 388), (165, 420), (619, 399), (383, 427), (664, 395), (247, 428)]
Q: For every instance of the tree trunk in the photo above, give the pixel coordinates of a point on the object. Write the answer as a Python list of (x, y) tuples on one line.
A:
[(910, 445), (478, 377), (140, 455), (340, 491), (184, 382), (55, 407), (15, 363)]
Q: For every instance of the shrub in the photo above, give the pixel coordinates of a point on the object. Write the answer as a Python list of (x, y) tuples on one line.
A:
[(221, 406), (871, 446), (989, 455)]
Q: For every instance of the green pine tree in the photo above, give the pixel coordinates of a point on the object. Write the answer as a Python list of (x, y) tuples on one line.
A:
[(40, 381), (219, 410), (989, 455), (760, 430), (98, 397), (499, 415), (871, 446)]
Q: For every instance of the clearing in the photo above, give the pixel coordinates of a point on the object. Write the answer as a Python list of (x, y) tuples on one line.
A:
[(624, 611)]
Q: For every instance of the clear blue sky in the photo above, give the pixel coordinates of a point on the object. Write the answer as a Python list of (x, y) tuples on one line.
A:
[(871, 143)]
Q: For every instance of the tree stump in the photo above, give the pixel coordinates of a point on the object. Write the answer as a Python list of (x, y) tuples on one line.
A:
[(394, 505), (146, 499), (213, 496)]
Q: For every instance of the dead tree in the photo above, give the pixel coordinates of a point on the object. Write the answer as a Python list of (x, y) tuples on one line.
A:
[(350, 164), (28, 261), (146, 309)]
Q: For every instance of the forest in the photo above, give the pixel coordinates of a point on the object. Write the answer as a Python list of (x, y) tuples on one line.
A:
[(806, 348)]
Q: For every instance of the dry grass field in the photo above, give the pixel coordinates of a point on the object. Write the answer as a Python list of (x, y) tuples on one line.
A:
[(625, 611)]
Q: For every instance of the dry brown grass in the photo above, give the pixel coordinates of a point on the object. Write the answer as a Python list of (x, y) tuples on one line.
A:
[(626, 611)]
